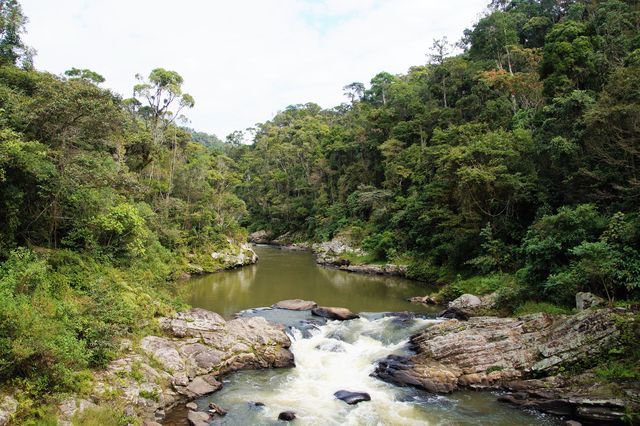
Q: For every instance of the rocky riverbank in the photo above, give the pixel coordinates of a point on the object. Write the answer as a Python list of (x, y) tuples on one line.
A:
[(231, 255), (184, 362), (338, 253), (526, 356)]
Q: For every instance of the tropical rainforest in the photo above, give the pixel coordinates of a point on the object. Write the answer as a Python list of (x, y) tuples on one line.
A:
[(509, 160)]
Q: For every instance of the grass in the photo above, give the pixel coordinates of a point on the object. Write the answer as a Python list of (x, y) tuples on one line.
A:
[(618, 370), (536, 307), (476, 285), (356, 259), (102, 416)]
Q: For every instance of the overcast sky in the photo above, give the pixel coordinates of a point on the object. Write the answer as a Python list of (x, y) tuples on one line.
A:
[(243, 60)]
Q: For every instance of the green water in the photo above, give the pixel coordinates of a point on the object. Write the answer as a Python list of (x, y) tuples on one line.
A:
[(281, 275)]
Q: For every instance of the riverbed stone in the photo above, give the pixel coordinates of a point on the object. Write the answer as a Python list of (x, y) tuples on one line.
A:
[(296, 305), (216, 409), (287, 416), (192, 406), (332, 313), (466, 301), (352, 398), (201, 386), (425, 300), (198, 418)]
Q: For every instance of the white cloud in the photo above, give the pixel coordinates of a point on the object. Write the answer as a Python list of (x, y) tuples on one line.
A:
[(243, 60)]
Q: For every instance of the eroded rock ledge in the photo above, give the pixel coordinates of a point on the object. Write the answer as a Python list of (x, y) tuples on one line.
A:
[(491, 352), (199, 347), (332, 253)]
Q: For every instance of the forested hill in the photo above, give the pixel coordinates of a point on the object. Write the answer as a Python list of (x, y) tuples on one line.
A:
[(104, 202), (520, 154), (516, 161)]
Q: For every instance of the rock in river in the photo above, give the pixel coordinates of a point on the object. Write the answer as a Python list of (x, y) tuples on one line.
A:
[(352, 398), (287, 416), (296, 305), (198, 418), (341, 314)]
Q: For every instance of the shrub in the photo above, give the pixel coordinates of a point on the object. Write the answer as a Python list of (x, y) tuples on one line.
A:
[(381, 246), (423, 270)]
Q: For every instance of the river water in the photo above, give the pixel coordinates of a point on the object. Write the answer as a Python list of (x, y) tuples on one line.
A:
[(281, 274), (335, 355)]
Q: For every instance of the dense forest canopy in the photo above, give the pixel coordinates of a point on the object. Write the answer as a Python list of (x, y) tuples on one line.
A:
[(517, 158), (519, 154)]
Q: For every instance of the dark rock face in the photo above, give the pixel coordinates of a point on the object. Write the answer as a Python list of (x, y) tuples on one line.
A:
[(340, 314), (287, 416), (560, 401), (454, 313), (255, 404), (352, 398)]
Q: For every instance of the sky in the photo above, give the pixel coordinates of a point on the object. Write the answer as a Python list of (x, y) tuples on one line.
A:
[(243, 60)]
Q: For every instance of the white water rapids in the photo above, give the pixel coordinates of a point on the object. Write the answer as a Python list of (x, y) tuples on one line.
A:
[(342, 355)]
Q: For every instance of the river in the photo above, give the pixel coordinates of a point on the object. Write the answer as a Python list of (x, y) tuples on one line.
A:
[(335, 355)]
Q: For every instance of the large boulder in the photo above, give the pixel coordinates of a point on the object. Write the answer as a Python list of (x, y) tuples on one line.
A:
[(296, 305), (586, 300), (199, 347), (489, 352), (340, 314), (466, 301), (468, 305)]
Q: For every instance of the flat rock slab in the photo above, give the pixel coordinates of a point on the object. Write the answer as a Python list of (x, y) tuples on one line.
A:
[(340, 314), (296, 305), (352, 398), (198, 418)]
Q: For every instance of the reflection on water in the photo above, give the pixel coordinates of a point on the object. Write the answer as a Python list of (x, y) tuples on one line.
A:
[(283, 275)]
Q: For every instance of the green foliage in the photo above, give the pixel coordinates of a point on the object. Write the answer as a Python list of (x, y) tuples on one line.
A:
[(381, 246), (423, 270), (477, 285)]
